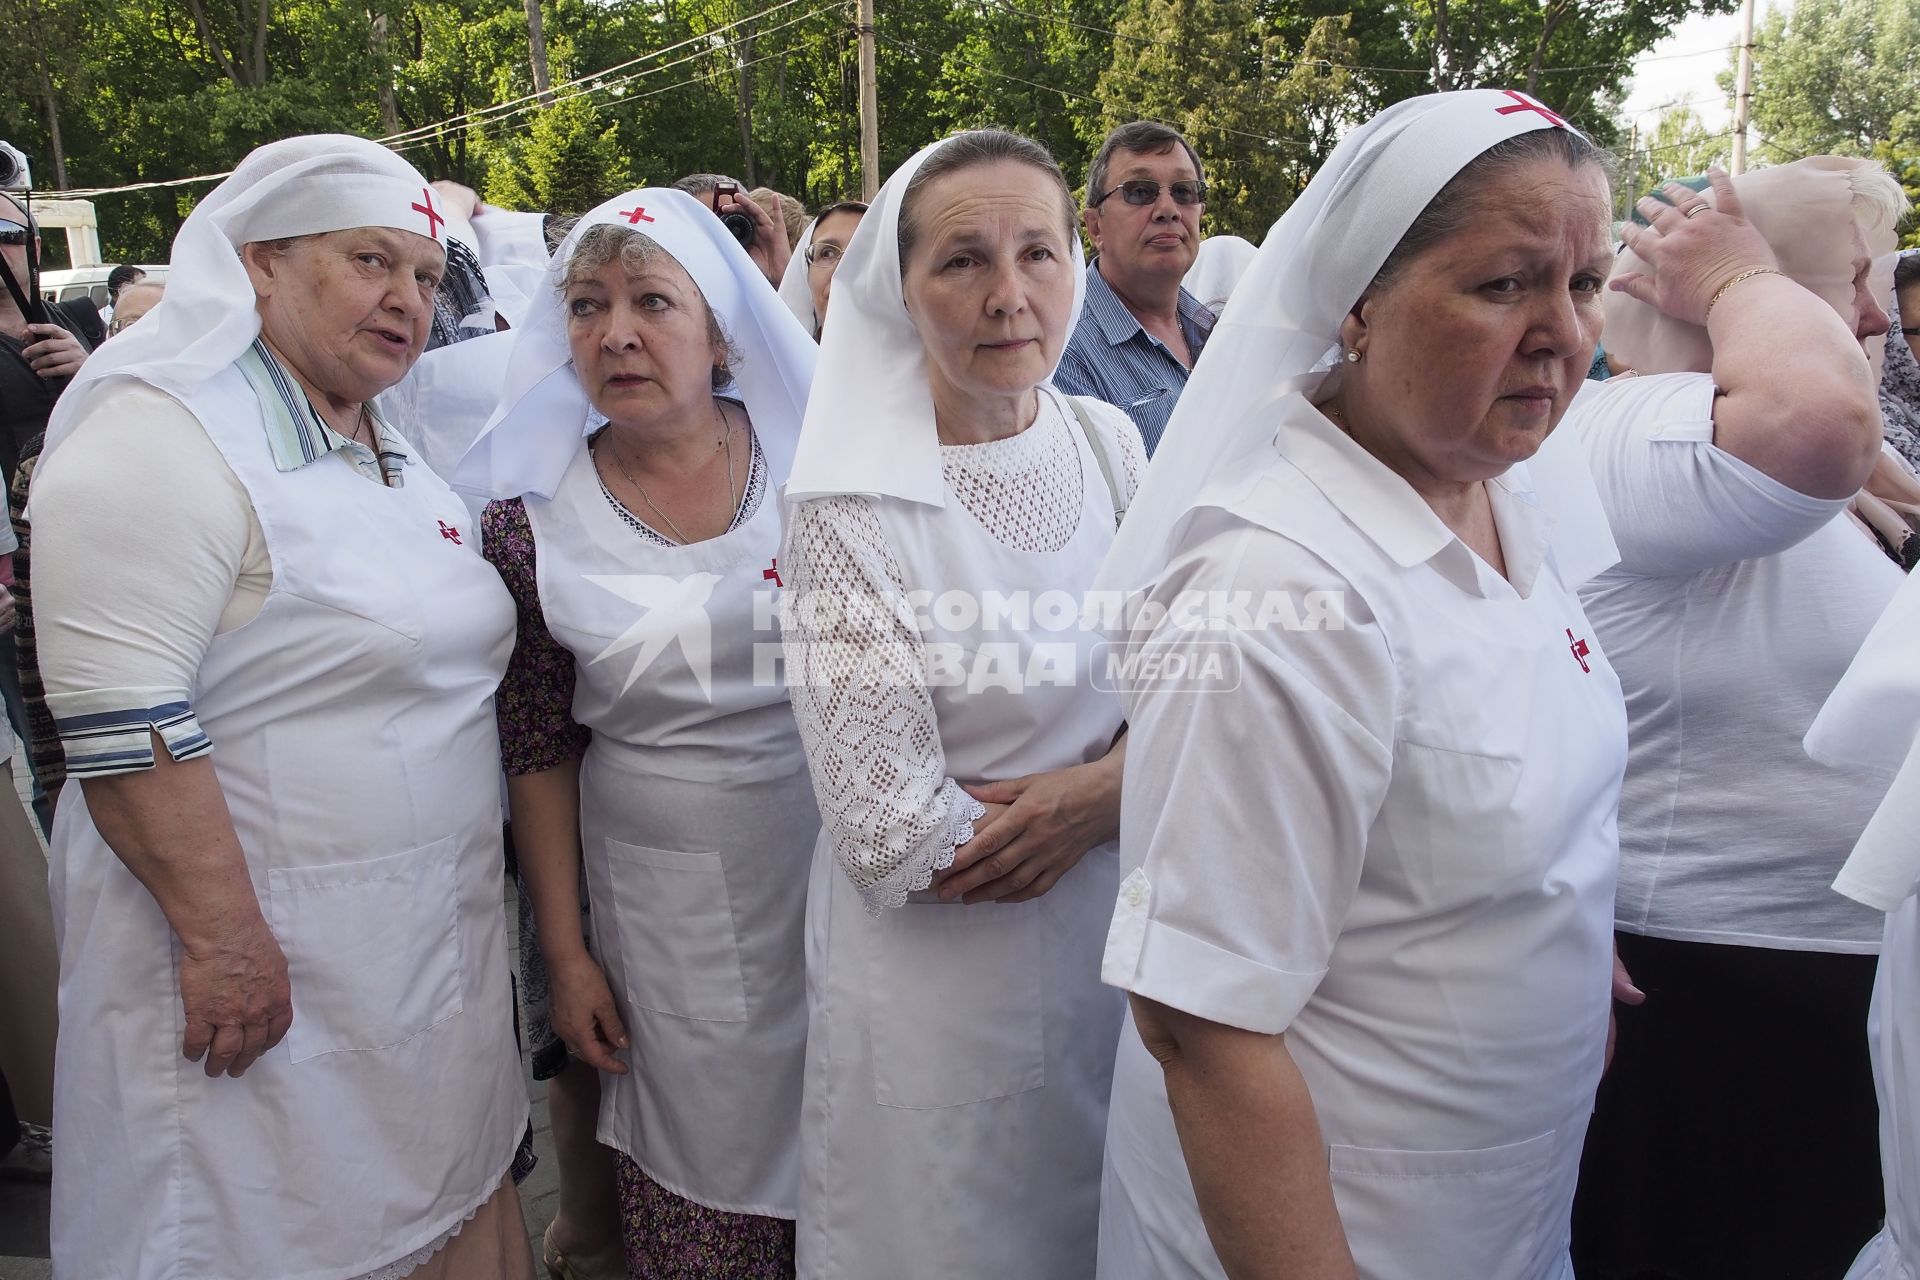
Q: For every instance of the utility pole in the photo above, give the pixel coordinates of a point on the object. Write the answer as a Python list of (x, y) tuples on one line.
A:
[(869, 107), (1633, 168), (1743, 100)]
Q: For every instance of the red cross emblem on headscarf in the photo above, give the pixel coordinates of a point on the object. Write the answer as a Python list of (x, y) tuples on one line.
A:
[(1521, 102), (772, 572), (433, 215), (635, 216), (452, 534)]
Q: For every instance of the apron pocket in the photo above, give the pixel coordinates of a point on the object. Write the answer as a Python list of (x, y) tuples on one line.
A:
[(1443, 1215), (373, 948), (674, 931), (955, 1004)]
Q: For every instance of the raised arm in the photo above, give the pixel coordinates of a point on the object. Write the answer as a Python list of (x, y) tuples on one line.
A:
[(1797, 396)]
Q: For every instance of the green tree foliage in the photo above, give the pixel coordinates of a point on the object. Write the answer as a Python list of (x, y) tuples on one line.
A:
[(1679, 146), (1840, 77), (146, 91), (568, 164), (1575, 55), (1257, 110)]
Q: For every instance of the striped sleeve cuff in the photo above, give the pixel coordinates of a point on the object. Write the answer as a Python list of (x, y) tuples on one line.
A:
[(109, 731)]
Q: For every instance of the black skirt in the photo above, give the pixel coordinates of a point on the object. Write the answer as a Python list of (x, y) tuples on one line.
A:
[(1737, 1133)]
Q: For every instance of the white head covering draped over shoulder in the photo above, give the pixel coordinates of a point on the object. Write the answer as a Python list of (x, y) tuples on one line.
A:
[(1275, 337), (1871, 722), (1217, 268), (544, 411), (795, 290), (870, 426), (296, 187)]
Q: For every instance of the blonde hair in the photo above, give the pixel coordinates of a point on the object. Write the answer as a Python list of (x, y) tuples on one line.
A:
[(1877, 198)]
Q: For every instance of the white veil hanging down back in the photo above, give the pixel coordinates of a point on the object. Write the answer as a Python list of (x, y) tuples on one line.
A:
[(1274, 339)]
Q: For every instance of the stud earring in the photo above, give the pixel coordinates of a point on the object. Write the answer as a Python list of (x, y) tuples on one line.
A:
[(1353, 357)]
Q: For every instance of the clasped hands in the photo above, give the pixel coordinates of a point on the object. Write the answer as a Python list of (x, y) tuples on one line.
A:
[(1035, 829)]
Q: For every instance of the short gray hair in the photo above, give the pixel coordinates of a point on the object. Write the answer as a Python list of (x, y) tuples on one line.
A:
[(1147, 137)]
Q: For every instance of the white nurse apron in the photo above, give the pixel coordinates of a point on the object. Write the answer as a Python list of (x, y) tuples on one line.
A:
[(697, 821), (1893, 1037), (960, 1057), (1454, 1044), (354, 739)]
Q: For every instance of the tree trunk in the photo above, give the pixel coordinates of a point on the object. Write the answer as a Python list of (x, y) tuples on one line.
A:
[(537, 52), (1557, 13), (260, 42), (743, 55), (212, 44), (1441, 79), (49, 101), (389, 108), (54, 143)]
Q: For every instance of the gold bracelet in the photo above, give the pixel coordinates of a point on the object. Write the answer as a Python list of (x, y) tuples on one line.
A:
[(1721, 292)]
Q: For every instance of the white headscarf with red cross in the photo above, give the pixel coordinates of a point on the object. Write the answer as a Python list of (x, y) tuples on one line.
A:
[(208, 319), (1278, 332)]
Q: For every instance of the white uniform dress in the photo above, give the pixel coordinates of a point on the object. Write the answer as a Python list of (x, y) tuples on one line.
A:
[(959, 1057), (353, 736), (1394, 839), (697, 826)]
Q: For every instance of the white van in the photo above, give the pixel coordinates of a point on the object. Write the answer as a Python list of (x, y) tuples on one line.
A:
[(85, 282)]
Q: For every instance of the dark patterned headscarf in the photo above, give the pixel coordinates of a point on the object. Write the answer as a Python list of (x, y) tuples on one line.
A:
[(462, 308), (1900, 380)]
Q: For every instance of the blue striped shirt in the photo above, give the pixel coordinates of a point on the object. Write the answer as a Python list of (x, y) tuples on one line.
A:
[(1111, 357)]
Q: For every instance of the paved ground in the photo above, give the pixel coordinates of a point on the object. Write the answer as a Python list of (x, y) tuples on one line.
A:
[(23, 1206)]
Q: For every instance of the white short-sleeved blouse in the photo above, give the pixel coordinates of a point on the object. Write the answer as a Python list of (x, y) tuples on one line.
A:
[(1735, 607), (1393, 840)]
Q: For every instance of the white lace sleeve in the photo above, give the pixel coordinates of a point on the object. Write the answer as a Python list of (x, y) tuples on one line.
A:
[(854, 669)]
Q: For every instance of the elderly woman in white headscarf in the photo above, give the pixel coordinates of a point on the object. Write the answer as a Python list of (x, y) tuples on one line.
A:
[(1369, 857), (952, 509), (652, 405), (271, 646), (1735, 1132)]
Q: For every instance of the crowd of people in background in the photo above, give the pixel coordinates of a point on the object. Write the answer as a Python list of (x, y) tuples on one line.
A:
[(1389, 753)]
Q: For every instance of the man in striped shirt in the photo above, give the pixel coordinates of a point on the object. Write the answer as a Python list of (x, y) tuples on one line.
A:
[(1140, 332)]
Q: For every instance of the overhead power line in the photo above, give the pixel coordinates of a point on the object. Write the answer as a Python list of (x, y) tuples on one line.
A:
[(598, 82)]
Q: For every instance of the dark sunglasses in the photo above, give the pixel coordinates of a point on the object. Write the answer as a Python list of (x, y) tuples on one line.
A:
[(13, 233), (1143, 191)]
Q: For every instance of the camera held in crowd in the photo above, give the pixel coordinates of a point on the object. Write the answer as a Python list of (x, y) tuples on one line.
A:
[(738, 224), (15, 173)]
